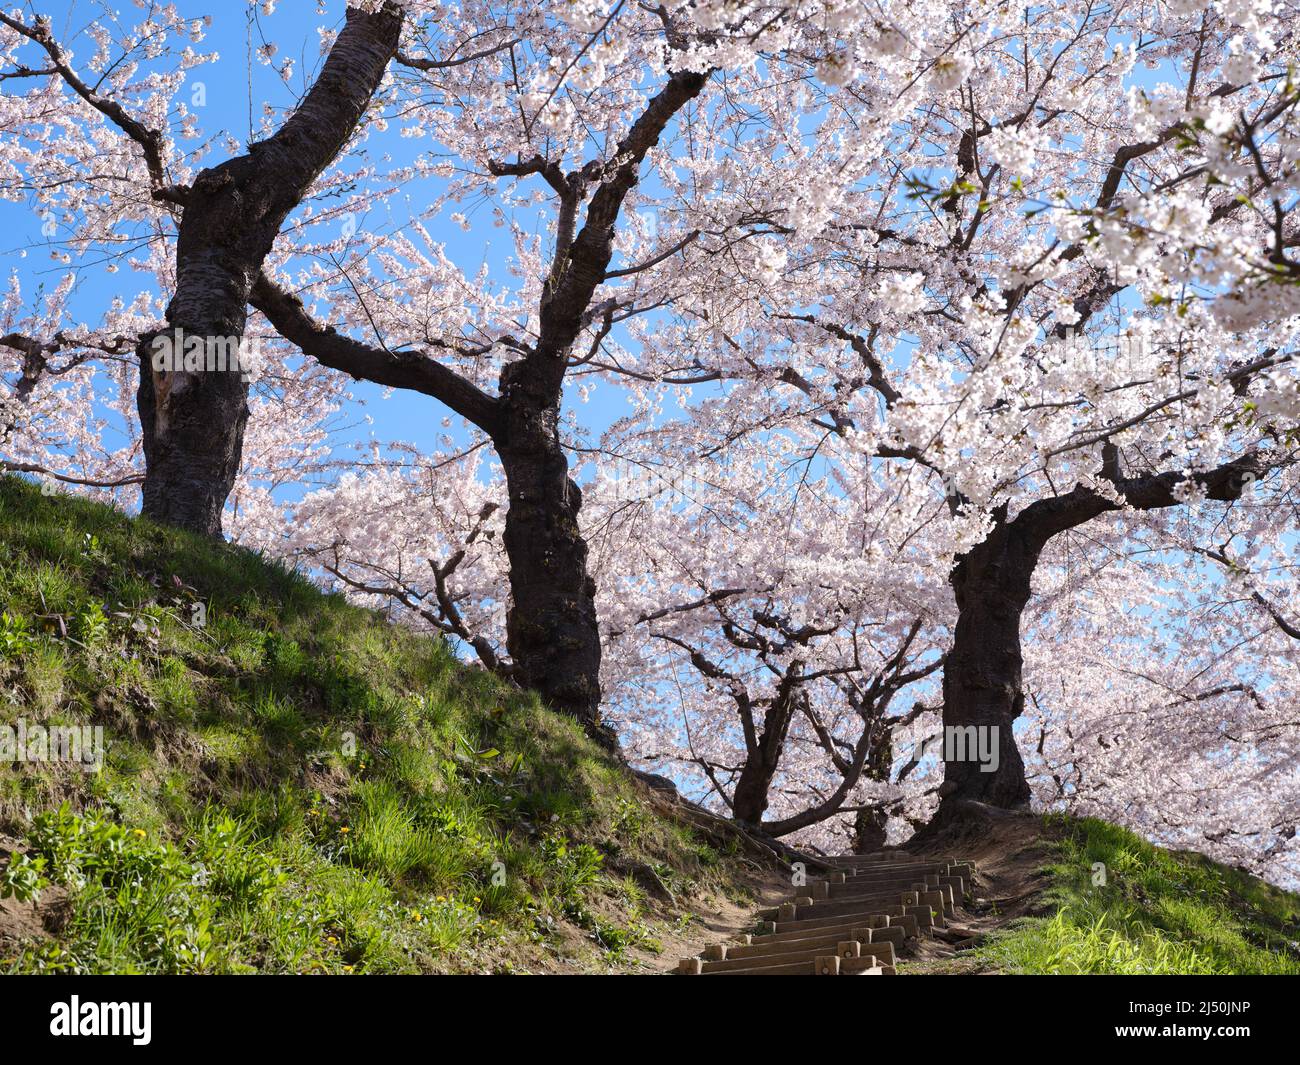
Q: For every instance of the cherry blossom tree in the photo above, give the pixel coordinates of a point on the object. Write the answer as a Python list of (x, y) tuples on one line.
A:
[(1161, 696), (957, 343), (570, 106), (764, 616), (226, 217), (508, 92), (990, 323)]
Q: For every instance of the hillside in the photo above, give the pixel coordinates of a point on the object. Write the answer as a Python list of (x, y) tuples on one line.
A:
[(291, 784), (1060, 895), (1030, 895)]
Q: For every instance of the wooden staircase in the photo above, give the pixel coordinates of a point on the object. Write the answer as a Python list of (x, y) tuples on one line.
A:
[(852, 922)]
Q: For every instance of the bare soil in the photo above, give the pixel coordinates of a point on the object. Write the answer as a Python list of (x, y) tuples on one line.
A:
[(26, 922)]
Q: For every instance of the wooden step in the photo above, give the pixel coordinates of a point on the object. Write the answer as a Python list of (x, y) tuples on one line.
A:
[(847, 922), (873, 921), (846, 918), (852, 889), (830, 966), (935, 874), (937, 899), (824, 888), (843, 948), (825, 942), (833, 908), (829, 907)]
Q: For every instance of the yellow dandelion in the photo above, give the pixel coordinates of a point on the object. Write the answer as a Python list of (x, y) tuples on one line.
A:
[(139, 833), (344, 828)]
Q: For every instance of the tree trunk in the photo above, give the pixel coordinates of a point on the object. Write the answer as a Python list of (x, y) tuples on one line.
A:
[(870, 830), (192, 423), (749, 801), (551, 629), (982, 672), (192, 429), (192, 420)]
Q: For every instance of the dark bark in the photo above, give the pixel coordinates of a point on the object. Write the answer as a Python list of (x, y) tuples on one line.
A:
[(982, 683), (870, 830), (982, 673), (408, 368), (192, 429), (749, 801), (192, 423), (551, 630)]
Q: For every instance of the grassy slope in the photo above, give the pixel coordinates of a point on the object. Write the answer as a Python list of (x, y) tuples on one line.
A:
[(1158, 911), (292, 784), (297, 786)]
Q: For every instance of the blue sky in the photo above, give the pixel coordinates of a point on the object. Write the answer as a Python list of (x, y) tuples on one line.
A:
[(235, 86), (235, 89)]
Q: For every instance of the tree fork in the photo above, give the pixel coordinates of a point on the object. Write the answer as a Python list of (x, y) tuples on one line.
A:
[(193, 422), (982, 683)]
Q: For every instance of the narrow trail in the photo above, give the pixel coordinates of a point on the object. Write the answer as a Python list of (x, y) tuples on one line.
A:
[(854, 921)]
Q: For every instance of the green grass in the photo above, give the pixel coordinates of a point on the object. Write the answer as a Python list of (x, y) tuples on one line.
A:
[(1157, 912), (292, 784)]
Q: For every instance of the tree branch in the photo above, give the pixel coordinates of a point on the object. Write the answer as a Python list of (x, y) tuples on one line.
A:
[(414, 370)]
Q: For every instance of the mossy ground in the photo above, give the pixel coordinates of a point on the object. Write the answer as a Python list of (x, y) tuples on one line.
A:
[(293, 784)]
